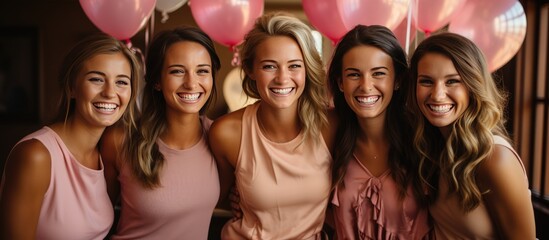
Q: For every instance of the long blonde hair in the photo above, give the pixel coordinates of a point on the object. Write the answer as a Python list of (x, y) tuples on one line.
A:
[(312, 103), (457, 158)]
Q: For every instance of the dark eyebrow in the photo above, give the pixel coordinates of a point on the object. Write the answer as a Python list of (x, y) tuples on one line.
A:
[(351, 69), (375, 68), (380, 67)]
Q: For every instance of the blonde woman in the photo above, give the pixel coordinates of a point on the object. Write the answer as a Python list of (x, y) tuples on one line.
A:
[(276, 150)]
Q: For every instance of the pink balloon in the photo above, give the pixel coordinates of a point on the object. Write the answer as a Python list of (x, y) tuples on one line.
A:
[(388, 13), (321, 15), (498, 27), (119, 18), (400, 33), (226, 21), (430, 15)]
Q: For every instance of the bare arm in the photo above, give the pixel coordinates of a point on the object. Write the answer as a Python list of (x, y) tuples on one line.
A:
[(508, 199), (111, 147), (25, 181), (224, 138)]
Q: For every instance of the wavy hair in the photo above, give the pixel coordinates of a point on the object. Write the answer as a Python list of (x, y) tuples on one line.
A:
[(312, 104), (74, 61), (143, 155), (401, 161), (456, 159)]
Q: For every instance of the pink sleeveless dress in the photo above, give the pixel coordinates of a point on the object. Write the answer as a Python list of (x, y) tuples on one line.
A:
[(452, 223), (182, 207), (76, 204), (284, 187), (369, 207)]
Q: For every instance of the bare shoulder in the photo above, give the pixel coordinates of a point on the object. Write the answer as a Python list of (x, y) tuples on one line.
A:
[(25, 182), (501, 163), (29, 166), (113, 136), (111, 144), (504, 185), (224, 136), (28, 155), (227, 127)]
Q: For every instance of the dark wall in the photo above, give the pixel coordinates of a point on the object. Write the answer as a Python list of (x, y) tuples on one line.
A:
[(59, 25)]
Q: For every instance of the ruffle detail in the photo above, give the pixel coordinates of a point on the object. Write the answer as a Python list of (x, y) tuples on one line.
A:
[(370, 197)]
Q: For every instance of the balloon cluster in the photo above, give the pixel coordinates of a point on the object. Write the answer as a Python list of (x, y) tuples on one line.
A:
[(498, 27)]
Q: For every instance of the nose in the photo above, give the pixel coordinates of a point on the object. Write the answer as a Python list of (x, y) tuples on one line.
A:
[(109, 89), (282, 75), (189, 82), (366, 83), (438, 92)]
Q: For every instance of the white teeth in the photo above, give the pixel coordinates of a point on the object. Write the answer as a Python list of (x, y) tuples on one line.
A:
[(367, 100), (281, 90), (105, 106), (190, 96), (440, 108)]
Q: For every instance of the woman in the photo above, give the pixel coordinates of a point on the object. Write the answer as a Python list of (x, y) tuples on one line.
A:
[(476, 183), (375, 192), (53, 185), (163, 170), (275, 149)]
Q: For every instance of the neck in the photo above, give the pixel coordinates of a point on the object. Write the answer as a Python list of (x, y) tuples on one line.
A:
[(372, 130), (280, 125), (183, 131), (81, 140), (372, 146)]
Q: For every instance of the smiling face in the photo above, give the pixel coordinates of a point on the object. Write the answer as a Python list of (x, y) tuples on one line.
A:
[(367, 81), (441, 94), (102, 89), (279, 71), (186, 79)]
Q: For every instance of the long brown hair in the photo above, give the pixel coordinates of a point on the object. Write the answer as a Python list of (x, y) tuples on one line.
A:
[(142, 151), (471, 139), (401, 159)]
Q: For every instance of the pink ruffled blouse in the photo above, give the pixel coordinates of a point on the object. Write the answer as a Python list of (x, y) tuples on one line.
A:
[(369, 207)]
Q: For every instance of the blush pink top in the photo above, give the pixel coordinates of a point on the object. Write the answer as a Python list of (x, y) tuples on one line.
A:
[(284, 187), (182, 207), (369, 207), (76, 204), (452, 223)]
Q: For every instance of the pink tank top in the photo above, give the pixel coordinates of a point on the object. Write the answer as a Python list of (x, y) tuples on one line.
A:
[(369, 207), (452, 223), (284, 187), (76, 204), (182, 207)]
